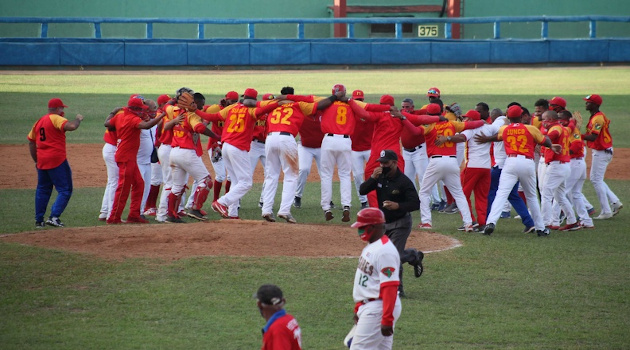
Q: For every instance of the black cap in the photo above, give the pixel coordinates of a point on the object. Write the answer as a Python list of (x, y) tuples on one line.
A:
[(269, 294), (387, 155)]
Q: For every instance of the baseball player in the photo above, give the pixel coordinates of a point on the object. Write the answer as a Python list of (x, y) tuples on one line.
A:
[(282, 331), (361, 142), (520, 141), (556, 175), (377, 305), (147, 137), (109, 150), (237, 140), (156, 167), (47, 146), (214, 145), (128, 125), (599, 140), (309, 149), (414, 151), (281, 152), (443, 166)]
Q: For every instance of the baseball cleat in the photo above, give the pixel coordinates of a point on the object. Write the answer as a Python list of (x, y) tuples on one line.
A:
[(505, 215), (221, 209), (583, 225), (441, 206), (102, 217), (174, 220), (425, 226), (297, 202), (488, 229), (346, 214), (288, 217), (137, 220), (543, 233), (570, 227), (452, 209), (269, 217), (615, 208), (529, 229), (364, 205), (468, 228), (603, 216), (54, 221), (150, 212), (196, 214), (418, 268), (40, 224), (328, 215), (463, 227)]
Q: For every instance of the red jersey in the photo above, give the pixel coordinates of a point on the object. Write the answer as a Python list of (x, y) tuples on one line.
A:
[(217, 127), (408, 139), (172, 112), (260, 129), (520, 139), (576, 145), (186, 133), (240, 121), (289, 117), (362, 135), (598, 125), (338, 118), (126, 124), (311, 134), (283, 334), (448, 128), (49, 136), (110, 137), (558, 134)]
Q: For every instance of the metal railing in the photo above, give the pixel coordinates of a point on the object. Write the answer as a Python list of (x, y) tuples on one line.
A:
[(300, 22)]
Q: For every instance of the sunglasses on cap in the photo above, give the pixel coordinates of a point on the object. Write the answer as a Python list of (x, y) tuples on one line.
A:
[(432, 92)]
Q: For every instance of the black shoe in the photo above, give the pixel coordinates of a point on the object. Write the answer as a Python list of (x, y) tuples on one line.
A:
[(196, 214), (297, 202), (488, 229), (401, 293), (346, 214), (418, 268), (479, 228), (174, 220), (332, 205), (54, 221), (543, 233), (40, 224), (529, 229), (364, 205)]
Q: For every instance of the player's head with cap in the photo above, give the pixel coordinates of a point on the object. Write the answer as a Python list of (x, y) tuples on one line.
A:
[(358, 95), (593, 102), (250, 94), (514, 113), (557, 104), (338, 88), (434, 109), (472, 115), (136, 106), (269, 300), (433, 93), (370, 223), (163, 99), (231, 97), (387, 100), (55, 105)]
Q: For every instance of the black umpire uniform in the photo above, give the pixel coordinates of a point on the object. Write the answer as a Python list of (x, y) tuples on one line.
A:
[(394, 186)]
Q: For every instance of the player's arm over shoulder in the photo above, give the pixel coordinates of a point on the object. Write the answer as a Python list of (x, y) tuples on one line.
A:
[(536, 133)]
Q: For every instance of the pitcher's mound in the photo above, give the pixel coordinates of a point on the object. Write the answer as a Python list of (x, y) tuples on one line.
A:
[(215, 238)]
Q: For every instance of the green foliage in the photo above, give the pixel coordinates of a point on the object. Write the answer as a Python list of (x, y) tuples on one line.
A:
[(506, 291)]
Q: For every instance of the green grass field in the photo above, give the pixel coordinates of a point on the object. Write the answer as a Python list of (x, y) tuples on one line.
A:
[(507, 291)]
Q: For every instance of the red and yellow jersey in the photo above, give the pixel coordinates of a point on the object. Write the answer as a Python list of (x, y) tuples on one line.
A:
[(186, 133), (434, 130), (239, 125), (536, 122), (576, 144), (126, 124), (560, 135), (289, 117), (311, 134), (338, 118), (49, 136), (598, 125), (110, 137), (217, 126), (520, 139), (172, 112), (260, 129)]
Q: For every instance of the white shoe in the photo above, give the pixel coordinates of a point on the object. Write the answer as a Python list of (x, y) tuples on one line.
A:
[(603, 216), (517, 217), (160, 219), (615, 207)]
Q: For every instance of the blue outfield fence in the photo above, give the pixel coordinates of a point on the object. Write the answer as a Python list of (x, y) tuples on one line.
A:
[(252, 50)]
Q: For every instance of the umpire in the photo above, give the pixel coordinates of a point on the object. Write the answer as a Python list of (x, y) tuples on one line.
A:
[(397, 197)]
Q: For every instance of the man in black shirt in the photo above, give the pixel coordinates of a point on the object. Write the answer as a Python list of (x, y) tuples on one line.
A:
[(397, 197)]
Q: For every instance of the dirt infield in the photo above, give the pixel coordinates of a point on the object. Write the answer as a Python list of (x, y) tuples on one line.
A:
[(212, 238)]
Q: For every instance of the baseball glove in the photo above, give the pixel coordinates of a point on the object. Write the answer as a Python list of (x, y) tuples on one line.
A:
[(455, 109), (187, 102), (578, 119)]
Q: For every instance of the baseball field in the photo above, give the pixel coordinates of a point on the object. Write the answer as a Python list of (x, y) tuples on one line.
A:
[(190, 286)]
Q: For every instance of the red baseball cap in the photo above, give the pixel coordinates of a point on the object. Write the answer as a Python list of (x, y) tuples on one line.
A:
[(433, 92), (338, 87), (596, 99), (558, 101), (136, 102), (251, 93), (514, 112), (387, 100), (472, 115), (232, 95), (56, 103), (358, 94), (163, 99), (434, 109), (268, 97)]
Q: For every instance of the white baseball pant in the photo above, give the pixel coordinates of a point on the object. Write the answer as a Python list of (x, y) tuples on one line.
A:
[(258, 152), (359, 158), (554, 188), (515, 169), (164, 154), (145, 172), (282, 154), (416, 164), (600, 161), (443, 168), (336, 150), (239, 168), (574, 184), (367, 335), (306, 156), (109, 151)]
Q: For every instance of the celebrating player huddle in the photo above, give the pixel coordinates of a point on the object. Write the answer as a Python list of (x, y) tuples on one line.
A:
[(447, 152)]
